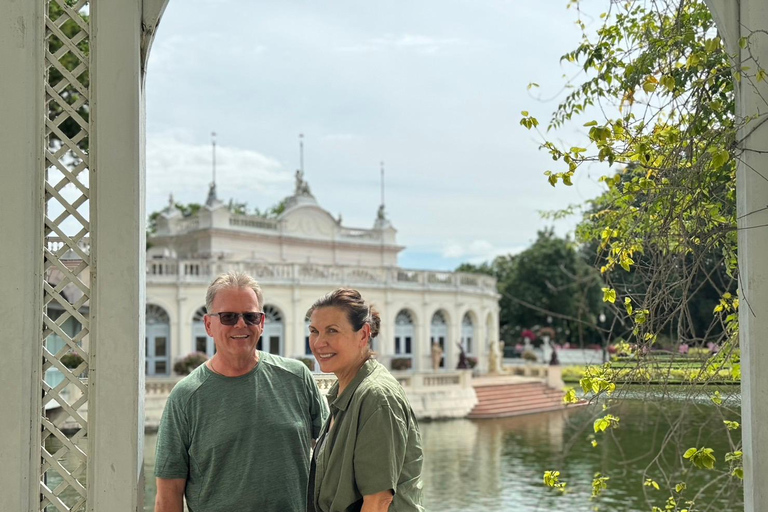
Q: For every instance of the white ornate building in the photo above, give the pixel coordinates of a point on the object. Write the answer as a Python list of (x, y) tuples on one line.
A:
[(297, 257)]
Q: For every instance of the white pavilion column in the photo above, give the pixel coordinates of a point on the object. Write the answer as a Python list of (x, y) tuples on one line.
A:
[(752, 209), (116, 413), (21, 264), (745, 19)]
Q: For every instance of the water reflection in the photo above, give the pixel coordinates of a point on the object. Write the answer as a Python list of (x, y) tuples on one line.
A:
[(497, 465)]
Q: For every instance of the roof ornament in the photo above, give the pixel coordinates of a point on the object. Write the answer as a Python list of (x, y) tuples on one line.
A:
[(212, 199), (302, 187), (381, 215)]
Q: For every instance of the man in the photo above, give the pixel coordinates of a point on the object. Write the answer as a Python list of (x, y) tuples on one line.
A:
[(235, 433)]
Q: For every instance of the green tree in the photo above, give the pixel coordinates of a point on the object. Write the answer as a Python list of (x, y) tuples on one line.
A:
[(549, 281), (655, 92), (71, 59)]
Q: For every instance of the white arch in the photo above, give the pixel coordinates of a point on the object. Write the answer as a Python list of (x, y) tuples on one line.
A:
[(273, 338), (157, 341), (468, 337), (405, 333), (200, 341)]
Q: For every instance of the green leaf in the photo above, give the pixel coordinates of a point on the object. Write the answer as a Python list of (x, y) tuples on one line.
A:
[(689, 453), (591, 123), (743, 42), (649, 87)]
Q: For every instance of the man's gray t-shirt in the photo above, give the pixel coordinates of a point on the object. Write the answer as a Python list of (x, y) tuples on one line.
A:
[(242, 443)]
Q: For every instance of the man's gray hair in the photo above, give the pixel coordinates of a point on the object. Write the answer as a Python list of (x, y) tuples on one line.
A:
[(232, 279)]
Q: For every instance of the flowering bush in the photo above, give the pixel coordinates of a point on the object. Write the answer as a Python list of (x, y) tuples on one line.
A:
[(185, 365)]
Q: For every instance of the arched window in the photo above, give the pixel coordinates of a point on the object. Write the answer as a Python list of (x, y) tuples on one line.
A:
[(467, 333), (158, 341), (272, 339), (201, 342), (438, 332), (404, 333)]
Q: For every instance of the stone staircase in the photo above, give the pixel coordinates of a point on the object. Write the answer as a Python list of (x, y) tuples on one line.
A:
[(499, 399)]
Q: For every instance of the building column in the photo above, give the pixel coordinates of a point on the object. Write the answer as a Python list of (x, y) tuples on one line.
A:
[(21, 267), (737, 19)]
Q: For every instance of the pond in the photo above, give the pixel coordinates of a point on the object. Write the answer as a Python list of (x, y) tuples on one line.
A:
[(497, 465)]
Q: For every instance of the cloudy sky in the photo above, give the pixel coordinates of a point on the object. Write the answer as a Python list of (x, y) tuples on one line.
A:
[(434, 88)]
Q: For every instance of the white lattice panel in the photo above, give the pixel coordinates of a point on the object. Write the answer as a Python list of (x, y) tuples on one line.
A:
[(67, 260)]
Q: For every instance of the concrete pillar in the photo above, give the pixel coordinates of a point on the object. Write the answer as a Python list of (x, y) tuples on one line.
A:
[(738, 19), (21, 265)]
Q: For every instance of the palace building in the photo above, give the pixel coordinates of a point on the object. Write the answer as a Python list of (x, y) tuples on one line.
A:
[(297, 257)]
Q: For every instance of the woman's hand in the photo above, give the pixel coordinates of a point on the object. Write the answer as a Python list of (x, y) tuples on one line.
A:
[(378, 502)]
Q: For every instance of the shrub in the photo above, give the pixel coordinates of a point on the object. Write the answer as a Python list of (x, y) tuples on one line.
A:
[(308, 361), (71, 360), (528, 355), (401, 363), (472, 361), (186, 364)]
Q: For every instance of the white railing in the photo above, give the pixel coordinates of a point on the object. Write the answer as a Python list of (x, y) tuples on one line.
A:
[(253, 221), (417, 381), (202, 271), (160, 387), (55, 243), (360, 234)]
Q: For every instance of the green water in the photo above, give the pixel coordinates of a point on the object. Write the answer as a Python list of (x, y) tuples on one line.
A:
[(497, 465)]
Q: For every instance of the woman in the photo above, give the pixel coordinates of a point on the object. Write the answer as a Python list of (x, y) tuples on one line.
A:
[(368, 456)]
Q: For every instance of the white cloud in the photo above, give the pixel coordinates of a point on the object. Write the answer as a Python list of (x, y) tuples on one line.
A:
[(183, 168), (419, 43), (476, 251)]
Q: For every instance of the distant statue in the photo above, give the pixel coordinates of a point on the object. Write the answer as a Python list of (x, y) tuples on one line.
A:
[(437, 355), (494, 358), (553, 361), (463, 363), (302, 187), (380, 214)]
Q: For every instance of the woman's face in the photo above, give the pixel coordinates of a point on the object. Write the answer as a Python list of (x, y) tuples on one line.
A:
[(335, 344)]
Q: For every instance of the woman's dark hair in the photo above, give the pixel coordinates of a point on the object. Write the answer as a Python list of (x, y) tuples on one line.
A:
[(352, 303)]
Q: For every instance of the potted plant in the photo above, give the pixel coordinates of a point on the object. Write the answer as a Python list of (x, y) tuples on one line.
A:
[(401, 363), (186, 364)]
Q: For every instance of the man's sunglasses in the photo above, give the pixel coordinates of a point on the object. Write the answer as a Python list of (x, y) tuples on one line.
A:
[(228, 318)]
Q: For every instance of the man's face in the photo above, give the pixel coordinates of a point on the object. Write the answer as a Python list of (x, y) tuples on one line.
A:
[(239, 340)]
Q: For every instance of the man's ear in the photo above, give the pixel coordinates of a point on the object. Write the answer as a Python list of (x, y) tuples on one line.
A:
[(207, 322)]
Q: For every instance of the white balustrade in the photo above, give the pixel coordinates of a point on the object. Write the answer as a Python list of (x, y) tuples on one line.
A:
[(163, 270)]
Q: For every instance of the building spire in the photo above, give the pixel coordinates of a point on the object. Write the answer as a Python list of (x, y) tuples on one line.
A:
[(212, 199), (301, 153), (213, 147), (382, 183), (381, 216)]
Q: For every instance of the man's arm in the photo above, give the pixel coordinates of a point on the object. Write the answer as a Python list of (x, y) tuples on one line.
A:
[(378, 502), (170, 495)]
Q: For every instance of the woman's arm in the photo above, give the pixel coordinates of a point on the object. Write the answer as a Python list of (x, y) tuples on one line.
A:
[(378, 502)]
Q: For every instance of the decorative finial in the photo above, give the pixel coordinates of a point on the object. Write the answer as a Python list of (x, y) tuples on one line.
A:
[(213, 143)]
